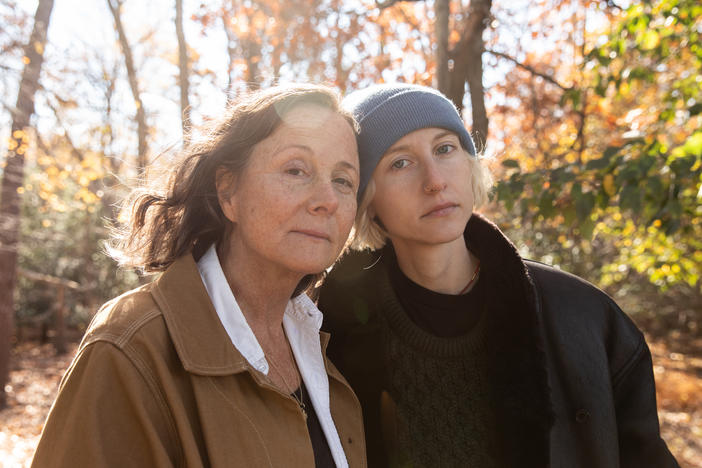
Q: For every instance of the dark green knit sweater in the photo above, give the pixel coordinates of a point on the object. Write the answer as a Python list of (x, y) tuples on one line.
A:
[(425, 397)]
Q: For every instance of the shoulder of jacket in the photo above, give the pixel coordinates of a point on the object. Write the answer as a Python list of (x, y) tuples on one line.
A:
[(574, 307), (552, 281), (119, 319)]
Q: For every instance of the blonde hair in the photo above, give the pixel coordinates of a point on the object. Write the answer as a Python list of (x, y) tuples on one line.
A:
[(368, 234)]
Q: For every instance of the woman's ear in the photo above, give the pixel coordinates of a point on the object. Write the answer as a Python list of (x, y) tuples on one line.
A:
[(225, 186)]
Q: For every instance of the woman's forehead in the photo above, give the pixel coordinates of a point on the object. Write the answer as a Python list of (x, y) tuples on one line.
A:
[(422, 135), (308, 116)]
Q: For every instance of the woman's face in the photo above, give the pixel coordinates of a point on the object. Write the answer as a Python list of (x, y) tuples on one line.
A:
[(294, 204), (423, 191)]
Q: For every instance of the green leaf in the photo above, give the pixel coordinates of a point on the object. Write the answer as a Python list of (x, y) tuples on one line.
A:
[(516, 186), (561, 175), (650, 40), (654, 188), (546, 206), (586, 228), (681, 166), (584, 205), (513, 163), (504, 194), (630, 198), (695, 109), (569, 215), (604, 161), (693, 145)]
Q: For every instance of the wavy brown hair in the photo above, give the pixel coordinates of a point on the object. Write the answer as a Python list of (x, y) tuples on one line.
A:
[(162, 223)]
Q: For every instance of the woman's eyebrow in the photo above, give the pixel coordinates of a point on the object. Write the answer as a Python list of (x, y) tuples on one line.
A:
[(302, 147), (444, 134), (396, 149), (348, 165)]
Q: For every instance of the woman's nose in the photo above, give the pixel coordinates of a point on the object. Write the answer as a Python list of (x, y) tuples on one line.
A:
[(324, 198), (434, 180)]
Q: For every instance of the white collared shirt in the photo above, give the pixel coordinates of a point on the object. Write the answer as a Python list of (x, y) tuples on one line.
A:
[(302, 321)]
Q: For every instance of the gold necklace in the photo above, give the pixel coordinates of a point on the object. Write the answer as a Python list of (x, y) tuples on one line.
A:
[(299, 401), (472, 280)]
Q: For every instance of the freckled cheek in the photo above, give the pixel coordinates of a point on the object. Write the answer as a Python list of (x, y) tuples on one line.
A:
[(346, 213)]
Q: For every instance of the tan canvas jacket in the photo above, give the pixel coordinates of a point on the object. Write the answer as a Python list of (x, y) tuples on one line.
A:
[(157, 383)]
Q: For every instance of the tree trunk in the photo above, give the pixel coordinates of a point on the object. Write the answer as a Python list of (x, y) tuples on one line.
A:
[(115, 6), (184, 78), (251, 50), (441, 29), (12, 179), (468, 67), (231, 53)]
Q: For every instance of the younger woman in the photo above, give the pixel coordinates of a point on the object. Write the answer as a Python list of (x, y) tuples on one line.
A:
[(461, 352)]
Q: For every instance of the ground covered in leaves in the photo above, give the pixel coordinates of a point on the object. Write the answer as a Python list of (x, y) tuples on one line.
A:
[(37, 370)]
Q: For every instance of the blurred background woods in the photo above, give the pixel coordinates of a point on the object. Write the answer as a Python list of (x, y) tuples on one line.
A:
[(591, 107)]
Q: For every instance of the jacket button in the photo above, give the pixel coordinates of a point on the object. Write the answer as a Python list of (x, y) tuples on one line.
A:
[(350, 440), (581, 416)]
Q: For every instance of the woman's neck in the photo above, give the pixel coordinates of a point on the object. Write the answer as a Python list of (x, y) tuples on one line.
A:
[(261, 293), (443, 268)]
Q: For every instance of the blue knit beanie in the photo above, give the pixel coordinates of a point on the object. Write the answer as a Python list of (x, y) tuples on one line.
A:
[(387, 112)]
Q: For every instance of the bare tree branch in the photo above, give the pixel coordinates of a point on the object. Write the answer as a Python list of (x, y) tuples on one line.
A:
[(115, 8), (184, 73), (530, 69), (389, 3)]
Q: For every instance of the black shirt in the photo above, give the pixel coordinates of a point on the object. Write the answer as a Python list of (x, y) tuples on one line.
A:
[(443, 315), (322, 453)]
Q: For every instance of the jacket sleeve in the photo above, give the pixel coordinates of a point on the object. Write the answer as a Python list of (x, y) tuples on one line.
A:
[(108, 413), (640, 443)]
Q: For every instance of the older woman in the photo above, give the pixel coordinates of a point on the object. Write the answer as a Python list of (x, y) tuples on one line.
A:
[(219, 361), (461, 352)]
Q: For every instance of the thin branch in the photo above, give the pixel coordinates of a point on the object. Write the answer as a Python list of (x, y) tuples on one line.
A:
[(10, 69), (54, 280), (389, 3), (530, 69), (74, 150), (612, 5)]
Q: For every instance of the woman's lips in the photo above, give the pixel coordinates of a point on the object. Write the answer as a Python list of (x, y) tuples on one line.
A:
[(441, 209), (312, 233)]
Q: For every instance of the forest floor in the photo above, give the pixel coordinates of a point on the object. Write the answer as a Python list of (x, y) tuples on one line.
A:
[(37, 371)]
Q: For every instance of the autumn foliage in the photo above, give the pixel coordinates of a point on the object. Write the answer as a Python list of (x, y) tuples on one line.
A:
[(592, 110)]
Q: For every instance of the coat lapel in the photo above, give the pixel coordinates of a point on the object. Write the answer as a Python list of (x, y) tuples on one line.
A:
[(517, 359)]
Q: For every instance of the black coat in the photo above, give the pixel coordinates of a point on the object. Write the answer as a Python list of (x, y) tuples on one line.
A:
[(570, 374)]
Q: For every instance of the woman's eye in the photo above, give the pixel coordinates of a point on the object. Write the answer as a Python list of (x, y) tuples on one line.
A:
[(294, 171), (444, 149), (400, 163), (344, 182)]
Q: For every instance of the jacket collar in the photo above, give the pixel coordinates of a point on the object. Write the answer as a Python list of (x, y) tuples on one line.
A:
[(190, 316), (518, 371)]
